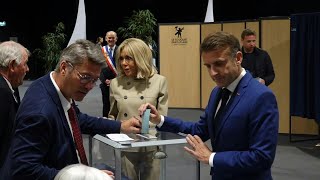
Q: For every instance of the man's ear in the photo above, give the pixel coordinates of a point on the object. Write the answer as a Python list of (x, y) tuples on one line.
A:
[(11, 65), (63, 67), (239, 57)]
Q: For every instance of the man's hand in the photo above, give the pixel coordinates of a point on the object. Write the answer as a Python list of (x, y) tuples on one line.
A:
[(110, 173), (155, 117), (107, 82), (199, 149), (262, 81), (131, 125)]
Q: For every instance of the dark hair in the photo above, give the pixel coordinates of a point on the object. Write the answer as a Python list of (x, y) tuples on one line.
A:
[(220, 41), (247, 32)]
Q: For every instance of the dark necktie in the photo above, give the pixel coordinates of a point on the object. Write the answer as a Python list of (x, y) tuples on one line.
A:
[(111, 56), (77, 135), (16, 95), (224, 98), (110, 52)]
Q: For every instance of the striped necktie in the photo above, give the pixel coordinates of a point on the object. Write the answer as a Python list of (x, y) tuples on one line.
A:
[(77, 135)]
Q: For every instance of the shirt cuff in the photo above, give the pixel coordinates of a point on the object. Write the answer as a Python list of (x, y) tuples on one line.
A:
[(211, 159), (161, 121)]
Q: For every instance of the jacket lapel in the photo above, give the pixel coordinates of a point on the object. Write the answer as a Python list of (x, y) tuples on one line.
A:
[(211, 109), (234, 100), (56, 99)]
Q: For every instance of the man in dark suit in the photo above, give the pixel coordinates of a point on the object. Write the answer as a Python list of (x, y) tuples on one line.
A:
[(244, 132), (47, 136), (13, 68), (256, 60), (109, 72)]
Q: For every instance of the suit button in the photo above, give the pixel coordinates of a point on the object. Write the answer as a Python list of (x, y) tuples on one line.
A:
[(125, 114), (128, 83), (141, 97), (125, 97)]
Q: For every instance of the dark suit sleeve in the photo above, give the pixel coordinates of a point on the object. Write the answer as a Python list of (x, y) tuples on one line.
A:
[(269, 70), (7, 117), (203, 127), (199, 128), (105, 74), (30, 146), (94, 125), (6, 99)]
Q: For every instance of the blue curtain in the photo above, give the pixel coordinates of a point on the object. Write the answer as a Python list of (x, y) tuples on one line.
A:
[(305, 66)]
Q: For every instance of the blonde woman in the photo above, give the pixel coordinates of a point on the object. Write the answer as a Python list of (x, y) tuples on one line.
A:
[(138, 82)]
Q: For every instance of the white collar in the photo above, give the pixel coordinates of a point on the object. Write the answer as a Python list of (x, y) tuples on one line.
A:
[(235, 83), (64, 102)]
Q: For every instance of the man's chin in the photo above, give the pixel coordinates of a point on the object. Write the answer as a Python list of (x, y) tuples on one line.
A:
[(17, 84), (79, 97)]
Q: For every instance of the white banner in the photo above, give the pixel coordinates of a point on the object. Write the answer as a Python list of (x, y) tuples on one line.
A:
[(209, 14), (79, 31)]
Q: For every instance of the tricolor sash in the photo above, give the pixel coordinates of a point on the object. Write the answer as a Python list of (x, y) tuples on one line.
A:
[(108, 60)]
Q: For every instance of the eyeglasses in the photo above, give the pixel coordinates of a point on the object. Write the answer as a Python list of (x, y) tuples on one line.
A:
[(84, 79)]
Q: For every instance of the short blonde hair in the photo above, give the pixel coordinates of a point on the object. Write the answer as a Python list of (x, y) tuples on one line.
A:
[(81, 172), (142, 55)]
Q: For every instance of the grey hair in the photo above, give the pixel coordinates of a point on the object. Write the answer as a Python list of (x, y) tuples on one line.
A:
[(112, 32), (10, 50), (81, 172), (82, 50)]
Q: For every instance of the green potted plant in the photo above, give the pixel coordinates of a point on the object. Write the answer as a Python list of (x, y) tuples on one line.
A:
[(141, 24), (52, 44)]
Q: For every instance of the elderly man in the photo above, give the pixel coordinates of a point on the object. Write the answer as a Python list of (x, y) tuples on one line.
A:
[(13, 68)]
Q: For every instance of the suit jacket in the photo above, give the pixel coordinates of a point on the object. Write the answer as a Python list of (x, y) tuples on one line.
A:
[(246, 140), (8, 110), (127, 94), (262, 65), (43, 143), (106, 73)]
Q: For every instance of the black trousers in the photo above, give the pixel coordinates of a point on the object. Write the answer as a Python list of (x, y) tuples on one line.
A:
[(105, 91)]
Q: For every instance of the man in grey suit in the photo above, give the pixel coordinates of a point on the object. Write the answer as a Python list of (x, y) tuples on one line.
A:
[(13, 68)]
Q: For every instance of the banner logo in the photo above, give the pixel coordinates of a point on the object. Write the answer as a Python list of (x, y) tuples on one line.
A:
[(179, 40)]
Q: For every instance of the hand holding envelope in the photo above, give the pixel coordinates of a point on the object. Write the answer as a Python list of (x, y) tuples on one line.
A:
[(154, 114), (145, 125)]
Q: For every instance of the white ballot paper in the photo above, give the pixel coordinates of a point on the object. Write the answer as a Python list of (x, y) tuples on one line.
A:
[(119, 137)]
